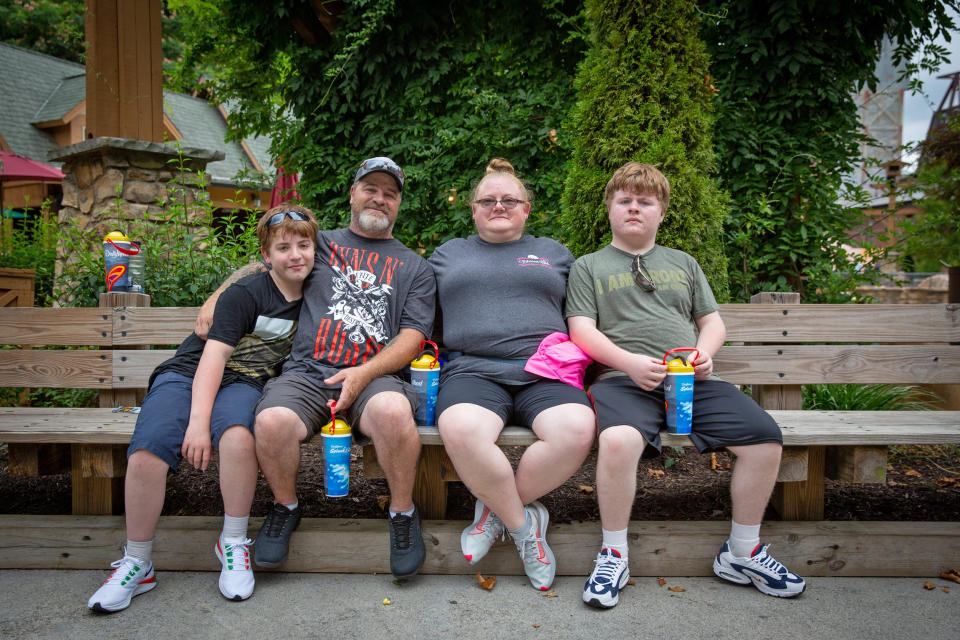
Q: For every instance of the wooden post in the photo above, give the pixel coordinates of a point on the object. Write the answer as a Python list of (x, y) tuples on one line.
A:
[(97, 470), (124, 70), (793, 500)]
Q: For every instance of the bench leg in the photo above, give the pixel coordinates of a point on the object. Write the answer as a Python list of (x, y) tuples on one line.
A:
[(860, 464), (430, 487), (803, 500), (26, 460), (97, 478)]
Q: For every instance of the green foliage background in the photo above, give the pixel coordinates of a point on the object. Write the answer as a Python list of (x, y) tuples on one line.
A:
[(642, 95), (787, 128), (441, 87)]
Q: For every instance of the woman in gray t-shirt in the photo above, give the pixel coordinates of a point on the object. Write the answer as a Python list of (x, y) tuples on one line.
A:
[(501, 292)]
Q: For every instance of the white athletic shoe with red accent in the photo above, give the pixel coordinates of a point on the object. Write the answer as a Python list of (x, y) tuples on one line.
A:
[(538, 561), (131, 577), (476, 540), (236, 575)]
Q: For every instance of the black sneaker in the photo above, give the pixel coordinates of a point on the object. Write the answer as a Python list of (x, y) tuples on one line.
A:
[(407, 552), (273, 541)]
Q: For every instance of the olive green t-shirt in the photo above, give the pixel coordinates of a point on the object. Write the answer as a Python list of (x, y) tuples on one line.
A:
[(601, 287)]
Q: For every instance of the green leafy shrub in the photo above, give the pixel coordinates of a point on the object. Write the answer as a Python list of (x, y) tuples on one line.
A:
[(868, 397), (33, 246), (642, 95)]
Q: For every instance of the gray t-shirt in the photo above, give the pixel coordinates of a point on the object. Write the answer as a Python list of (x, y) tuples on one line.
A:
[(651, 323), (499, 300), (359, 295)]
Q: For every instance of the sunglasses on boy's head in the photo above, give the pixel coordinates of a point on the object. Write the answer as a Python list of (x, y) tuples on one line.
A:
[(640, 274), (277, 218)]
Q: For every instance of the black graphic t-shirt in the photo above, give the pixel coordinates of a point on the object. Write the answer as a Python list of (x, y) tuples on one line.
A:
[(252, 316), (359, 295)]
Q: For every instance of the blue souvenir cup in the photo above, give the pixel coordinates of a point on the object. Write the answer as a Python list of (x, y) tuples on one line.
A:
[(336, 458), (678, 392), (425, 379)]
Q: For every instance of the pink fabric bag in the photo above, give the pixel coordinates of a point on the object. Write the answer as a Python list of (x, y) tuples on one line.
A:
[(559, 359)]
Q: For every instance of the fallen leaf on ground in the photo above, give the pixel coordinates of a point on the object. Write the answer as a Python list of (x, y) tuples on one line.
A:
[(945, 589), (891, 483), (676, 589), (386, 601), (951, 574), (586, 488), (929, 585), (631, 581), (550, 594), (655, 473), (947, 481), (536, 625), (913, 472), (713, 462), (382, 502), (661, 581), (486, 583)]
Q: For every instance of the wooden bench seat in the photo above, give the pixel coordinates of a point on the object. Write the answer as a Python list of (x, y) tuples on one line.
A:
[(775, 346)]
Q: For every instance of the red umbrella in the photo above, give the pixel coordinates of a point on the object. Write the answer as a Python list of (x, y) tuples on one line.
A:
[(284, 190), (14, 167)]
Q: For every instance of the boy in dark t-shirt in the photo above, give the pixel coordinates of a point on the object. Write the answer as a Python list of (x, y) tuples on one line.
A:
[(203, 398), (627, 305)]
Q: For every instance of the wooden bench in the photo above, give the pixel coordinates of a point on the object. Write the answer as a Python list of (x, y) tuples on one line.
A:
[(775, 346)]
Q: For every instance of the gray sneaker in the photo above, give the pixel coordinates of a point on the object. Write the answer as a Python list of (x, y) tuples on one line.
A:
[(538, 561), (407, 551), (476, 540), (273, 542)]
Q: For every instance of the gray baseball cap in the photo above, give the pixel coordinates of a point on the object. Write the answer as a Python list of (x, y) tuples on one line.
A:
[(384, 164)]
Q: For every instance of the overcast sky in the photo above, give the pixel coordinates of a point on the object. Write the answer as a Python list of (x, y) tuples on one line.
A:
[(918, 109)]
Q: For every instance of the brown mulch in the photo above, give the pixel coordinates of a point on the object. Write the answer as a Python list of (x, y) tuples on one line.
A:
[(923, 484)]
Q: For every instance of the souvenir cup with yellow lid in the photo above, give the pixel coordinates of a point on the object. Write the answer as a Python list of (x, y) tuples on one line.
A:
[(678, 391), (117, 249), (425, 379), (336, 456)]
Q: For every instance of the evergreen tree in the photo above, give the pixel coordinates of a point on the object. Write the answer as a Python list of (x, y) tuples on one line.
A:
[(643, 94)]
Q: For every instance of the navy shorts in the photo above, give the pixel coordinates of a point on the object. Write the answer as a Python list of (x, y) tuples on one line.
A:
[(521, 402), (165, 414), (723, 416)]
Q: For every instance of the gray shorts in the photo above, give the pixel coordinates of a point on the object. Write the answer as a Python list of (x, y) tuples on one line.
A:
[(723, 416), (307, 397), (522, 402)]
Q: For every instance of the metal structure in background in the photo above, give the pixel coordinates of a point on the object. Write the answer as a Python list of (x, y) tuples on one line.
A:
[(949, 105)]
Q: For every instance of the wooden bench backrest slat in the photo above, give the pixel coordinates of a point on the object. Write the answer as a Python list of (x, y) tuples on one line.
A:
[(42, 326), (132, 368), (823, 364), (73, 369), (153, 325), (883, 323)]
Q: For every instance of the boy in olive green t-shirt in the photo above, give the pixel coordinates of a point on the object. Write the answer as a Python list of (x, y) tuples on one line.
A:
[(627, 305)]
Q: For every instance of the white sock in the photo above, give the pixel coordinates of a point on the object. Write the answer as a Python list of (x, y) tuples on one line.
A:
[(408, 513), (141, 550), (293, 505), (744, 538), (616, 541), (235, 529)]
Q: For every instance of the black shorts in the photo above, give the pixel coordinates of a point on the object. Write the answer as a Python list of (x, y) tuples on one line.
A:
[(522, 402), (723, 416)]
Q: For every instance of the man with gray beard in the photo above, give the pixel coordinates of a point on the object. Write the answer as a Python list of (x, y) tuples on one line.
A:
[(367, 305)]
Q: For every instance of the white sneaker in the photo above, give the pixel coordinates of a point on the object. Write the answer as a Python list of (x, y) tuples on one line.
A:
[(609, 576), (538, 561), (236, 576), (476, 540), (131, 577), (760, 569)]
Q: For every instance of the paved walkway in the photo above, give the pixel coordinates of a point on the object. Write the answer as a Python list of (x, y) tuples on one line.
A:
[(52, 604)]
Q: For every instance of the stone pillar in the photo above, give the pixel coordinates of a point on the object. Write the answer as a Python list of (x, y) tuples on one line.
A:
[(120, 183)]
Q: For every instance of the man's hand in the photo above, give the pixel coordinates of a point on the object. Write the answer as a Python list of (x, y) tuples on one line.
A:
[(702, 366), (647, 372), (197, 448), (205, 318), (352, 381)]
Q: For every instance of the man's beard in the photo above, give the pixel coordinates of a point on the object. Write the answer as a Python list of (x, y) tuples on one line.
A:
[(372, 223)]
